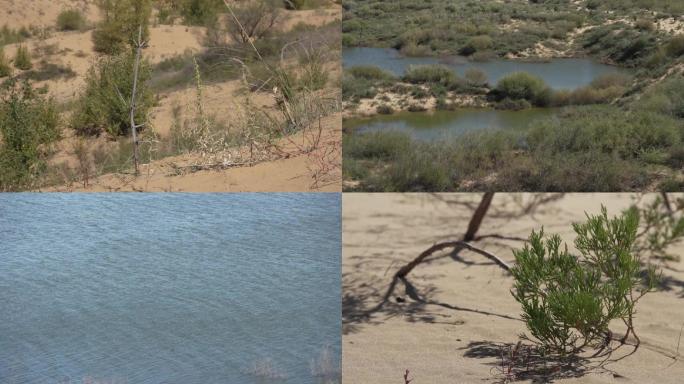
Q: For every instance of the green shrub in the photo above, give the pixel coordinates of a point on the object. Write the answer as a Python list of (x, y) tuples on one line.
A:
[(122, 20), (28, 125), (201, 12), (369, 72), (432, 74), (70, 20), (22, 59), (524, 86), (475, 77), (103, 106), (477, 44), (568, 301)]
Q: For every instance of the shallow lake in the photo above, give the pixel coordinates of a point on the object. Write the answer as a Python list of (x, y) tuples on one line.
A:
[(558, 73), (431, 126), (167, 288)]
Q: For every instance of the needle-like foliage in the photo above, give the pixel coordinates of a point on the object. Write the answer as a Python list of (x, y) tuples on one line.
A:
[(569, 300)]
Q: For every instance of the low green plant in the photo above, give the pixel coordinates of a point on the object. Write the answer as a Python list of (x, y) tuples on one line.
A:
[(29, 123), (22, 59), (569, 300), (70, 20), (103, 106)]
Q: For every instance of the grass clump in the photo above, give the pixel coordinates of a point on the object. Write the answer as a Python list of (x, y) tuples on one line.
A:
[(5, 68), (70, 20), (29, 123), (103, 106), (568, 300), (22, 59)]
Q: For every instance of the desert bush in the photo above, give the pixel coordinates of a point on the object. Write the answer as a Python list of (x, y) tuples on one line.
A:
[(369, 72), (121, 21), (432, 74), (384, 109), (477, 44), (675, 46), (257, 18), (22, 59), (568, 301), (70, 20), (201, 12), (475, 77), (103, 106), (29, 123), (524, 86), (5, 69)]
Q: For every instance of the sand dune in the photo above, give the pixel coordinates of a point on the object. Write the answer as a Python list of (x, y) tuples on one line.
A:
[(451, 343)]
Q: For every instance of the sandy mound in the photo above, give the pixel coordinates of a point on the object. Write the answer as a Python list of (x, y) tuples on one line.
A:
[(454, 341), (41, 13)]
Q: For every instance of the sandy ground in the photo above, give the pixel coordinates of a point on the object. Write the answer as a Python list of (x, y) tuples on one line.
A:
[(449, 342)]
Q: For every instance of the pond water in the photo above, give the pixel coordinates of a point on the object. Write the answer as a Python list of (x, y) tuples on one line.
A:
[(558, 73), (167, 288), (432, 126)]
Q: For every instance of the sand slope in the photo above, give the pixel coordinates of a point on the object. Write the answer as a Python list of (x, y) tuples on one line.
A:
[(439, 344)]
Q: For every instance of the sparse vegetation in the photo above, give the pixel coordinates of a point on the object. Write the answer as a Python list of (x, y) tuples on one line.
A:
[(22, 59)]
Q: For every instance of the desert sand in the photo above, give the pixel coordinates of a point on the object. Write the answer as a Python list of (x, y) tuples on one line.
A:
[(456, 338)]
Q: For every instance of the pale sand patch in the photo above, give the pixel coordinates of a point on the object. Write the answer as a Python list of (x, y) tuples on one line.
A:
[(383, 231), (42, 13)]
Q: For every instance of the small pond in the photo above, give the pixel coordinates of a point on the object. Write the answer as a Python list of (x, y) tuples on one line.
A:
[(558, 73), (432, 126)]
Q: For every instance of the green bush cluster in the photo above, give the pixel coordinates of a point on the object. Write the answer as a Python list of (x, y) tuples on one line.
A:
[(362, 82), (104, 104), (29, 123), (523, 86), (70, 20), (568, 300)]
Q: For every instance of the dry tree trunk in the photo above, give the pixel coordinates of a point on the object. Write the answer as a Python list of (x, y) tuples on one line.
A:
[(473, 227), (478, 216), (134, 128)]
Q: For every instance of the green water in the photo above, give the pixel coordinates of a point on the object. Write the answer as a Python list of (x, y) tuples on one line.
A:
[(430, 126)]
